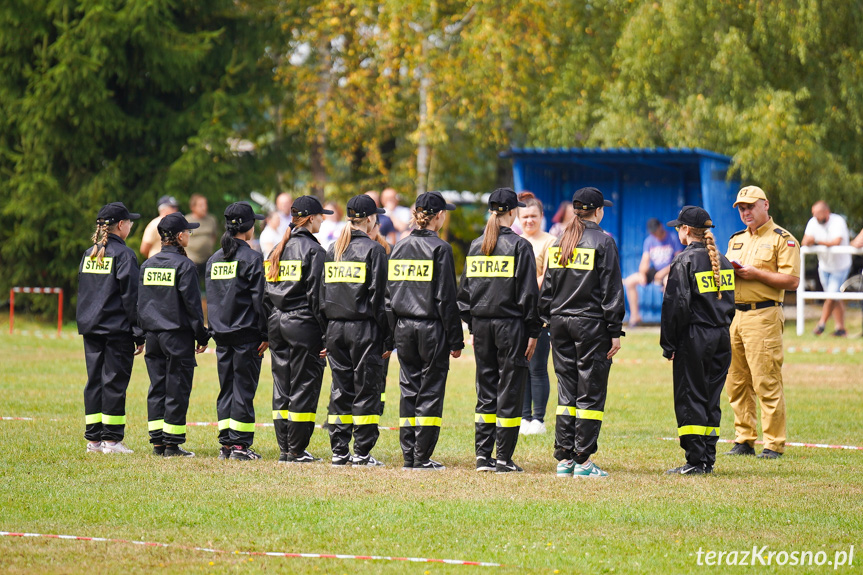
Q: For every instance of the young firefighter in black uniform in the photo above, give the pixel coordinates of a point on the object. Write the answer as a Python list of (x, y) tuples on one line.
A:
[(108, 319), (235, 310), (376, 235), (582, 300), (498, 300), (169, 310), (696, 314), (421, 302), (352, 299), (297, 325)]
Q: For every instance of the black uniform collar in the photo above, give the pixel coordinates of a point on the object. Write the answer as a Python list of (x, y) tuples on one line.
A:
[(695, 245), (301, 231), (591, 225), (171, 249), (423, 233), (506, 230), (116, 238), (358, 233)]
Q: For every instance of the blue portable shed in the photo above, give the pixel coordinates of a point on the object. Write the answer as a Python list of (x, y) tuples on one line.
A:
[(642, 183)]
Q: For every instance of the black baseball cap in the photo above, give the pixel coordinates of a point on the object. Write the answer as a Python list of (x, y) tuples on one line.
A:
[(115, 212), (363, 206), (173, 224), (308, 206), (167, 201), (432, 203), (589, 199), (692, 216), (241, 215), (503, 200)]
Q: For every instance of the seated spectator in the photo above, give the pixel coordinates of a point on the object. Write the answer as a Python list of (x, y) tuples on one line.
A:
[(659, 249), (827, 229)]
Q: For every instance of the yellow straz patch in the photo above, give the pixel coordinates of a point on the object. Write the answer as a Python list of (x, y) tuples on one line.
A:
[(159, 276), (94, 267), (737, 246), (490, 266), (582, 259), (411, 270), (289, 271), (345, 272), (707, 283), (223, 270)]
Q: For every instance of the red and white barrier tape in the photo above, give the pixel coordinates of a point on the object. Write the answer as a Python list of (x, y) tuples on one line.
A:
[(16, 418), (788, 443), (260, 553), (834, 350), (191, 423)]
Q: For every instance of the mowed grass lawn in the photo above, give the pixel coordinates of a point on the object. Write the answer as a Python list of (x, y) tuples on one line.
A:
[(637, 520)]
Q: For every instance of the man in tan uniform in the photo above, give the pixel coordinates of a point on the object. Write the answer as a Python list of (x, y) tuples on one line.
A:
[(766, 259)]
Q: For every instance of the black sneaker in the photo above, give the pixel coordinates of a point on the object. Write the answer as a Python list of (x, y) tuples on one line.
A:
[(243, 453), (283, 457), (409, 464), (159, 450), (708, 469), (741, 449), (365, 461), (341, 460), (687, 470), (224, 452), (177, 451), (507, 467), (769, 454), (305, 457), (430, 465), (484, 464)]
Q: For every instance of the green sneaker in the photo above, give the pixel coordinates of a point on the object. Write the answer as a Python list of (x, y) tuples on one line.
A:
[(588, 469), (564, 468)]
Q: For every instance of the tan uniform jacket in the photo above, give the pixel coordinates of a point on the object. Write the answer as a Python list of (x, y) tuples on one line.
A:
[(771, 248)]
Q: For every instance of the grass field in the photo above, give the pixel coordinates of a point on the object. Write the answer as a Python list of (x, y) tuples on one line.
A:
[(637, 520)]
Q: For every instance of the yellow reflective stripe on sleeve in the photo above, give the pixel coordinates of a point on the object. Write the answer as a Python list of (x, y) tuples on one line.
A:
[(508, 421), (490, 267), (224, 424), (428, 421), (305, 417), (407, 421), (280, 413), (707, 283), (92, 418), (565, 410), (484, 418), (410, 270), (241, 426), (588, 414), (174, 429), (155, 424), (698, 430), (366, 419), (345, 272), (337, 419), (113, 419)]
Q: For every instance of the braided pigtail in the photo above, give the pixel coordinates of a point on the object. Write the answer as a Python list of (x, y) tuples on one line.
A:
[(170, 239), (100, 240), (421, 219), (710, 242)]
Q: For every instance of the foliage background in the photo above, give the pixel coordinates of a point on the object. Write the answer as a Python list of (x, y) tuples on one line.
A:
[(103, 100)]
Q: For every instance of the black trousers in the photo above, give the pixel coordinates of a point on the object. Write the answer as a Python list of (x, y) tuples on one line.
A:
[(424, 360), (239, 370), (501, 374), (109, 361), (579, 349), (701, 364), (386, 371), (298, 370), (170, 358), (354, 349)]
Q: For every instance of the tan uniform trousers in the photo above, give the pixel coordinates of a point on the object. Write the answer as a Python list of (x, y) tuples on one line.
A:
[(756, 370)]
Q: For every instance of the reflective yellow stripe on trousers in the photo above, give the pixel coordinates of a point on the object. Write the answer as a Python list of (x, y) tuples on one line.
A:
[(92, 418), (224, 424), (174, 429), (113, 419), (698, 430), (428, 421), (303, 417), (579, 413), (366, 419), (484, 417), (155, 424), (508, 421), (340, 419), (407, 421), (241, 426)]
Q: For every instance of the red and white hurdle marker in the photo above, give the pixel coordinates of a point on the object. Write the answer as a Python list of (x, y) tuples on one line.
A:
[(39, 290)]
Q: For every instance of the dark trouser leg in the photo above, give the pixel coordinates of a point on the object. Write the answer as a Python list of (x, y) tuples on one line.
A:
[(410, 374), (307, 373), (592, 342), (716, 373), (487, 375), (340, 417), (116, 373), (94, 356), (430, 396), (538, 386), (179, 346), (368, 363), (280, 356), (157, 369), (247, 371), (384, 384), (566, 367), (511, 342), (225, 365)]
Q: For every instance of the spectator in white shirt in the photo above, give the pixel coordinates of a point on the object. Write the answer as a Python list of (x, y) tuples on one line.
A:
[(283, 207), (826, 229)]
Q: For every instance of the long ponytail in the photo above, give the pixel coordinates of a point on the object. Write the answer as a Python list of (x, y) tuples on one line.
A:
[(490, 235), (572, 235), (710, 242), (345, 237), (273, 258), (229, 244), (100, 240)]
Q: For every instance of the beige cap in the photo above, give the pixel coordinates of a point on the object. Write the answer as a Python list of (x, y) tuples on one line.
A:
[(749, 195)]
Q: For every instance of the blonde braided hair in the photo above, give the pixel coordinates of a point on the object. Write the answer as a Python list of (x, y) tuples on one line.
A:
[(705, 235), (100, 239), (421, 219)]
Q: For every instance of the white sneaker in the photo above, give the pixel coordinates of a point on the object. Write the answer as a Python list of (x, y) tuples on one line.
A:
[(537, 427), (524, 428), (115, 447), (95, 447)]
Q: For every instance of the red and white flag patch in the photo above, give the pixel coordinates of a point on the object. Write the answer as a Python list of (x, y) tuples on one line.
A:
[(791, 243)]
